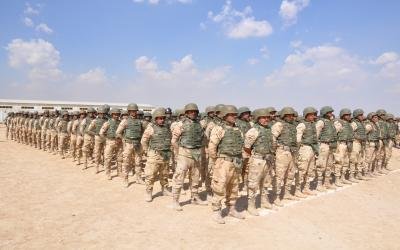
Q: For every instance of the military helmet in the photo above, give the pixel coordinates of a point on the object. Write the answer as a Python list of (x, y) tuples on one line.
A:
[(115, 111), (101, 110), (178, 112), (46, 111), (191, 107), (219, 107), (159, 112), (106, 108), (325, 110), (168, 111), (146, 114), (140, 112), (35, 112), (389, 117), (124, 112), (259, 113), (287, 111), (242, 110), (91, 110), (357, 112), (64, 113), (229, 109), (344, 112), (309, 110), (210, 109), (82, 111), (296, 114), (370, 115), (381, 112), (75, 113), (132, 107), (270, 110)]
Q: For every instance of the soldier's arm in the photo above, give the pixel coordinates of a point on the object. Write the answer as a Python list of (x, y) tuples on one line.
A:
[(276, 131), (92, 125), (147, 134), (338, 126), (319, 126), (249, 139), (104, 129), (176, 133), (209, 128), (215, 137), (300, 130), (368, 128), (121, 128), (82, 126), (353, 126)]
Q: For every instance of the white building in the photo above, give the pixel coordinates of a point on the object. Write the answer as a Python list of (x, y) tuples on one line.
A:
[(7, 105)]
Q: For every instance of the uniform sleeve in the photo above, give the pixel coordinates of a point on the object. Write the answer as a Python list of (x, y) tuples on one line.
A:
[(92, 124), (215, 137), (319, 126), (104, 128), (300, 130), (276, 130), (176, 133), (368, 128), (82, 126), (250, 137), (354, 126), (147, 134), (209, 128), (121, 128), (338, 126)]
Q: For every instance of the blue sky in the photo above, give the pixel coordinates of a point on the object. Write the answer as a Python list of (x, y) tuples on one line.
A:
[(170, 52)]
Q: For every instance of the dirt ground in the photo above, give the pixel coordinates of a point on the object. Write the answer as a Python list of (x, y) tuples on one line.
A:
[(50, 203)]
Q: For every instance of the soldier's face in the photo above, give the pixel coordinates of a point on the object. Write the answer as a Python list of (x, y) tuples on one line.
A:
[(160, 120), (361, 117), (311, 117), (133, 113), (147, 118), (230, 118), (101, 115), (192, 114), (246, 116), (289, 118), (346, 117), (211, 114), (115, 116), (375, 118), (264, 120)]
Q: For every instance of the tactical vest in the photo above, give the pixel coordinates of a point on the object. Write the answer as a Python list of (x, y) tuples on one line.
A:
[(328, 132), (207, 120), (392, 130), (133, 129), (51, 123), (346, 134), (192, 134), (99, 123), (244, 126), (383, 128), (217, 120), (373, 135), (112, 129), (288, 135), (232, 142), (161, 138), (263, 143), (37, 124), (87, 123), (310, 134), (64, 126), (360, 133)]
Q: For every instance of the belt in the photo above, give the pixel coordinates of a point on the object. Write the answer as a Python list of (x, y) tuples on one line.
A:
[(286, 148), (230, 159), (261, 157)]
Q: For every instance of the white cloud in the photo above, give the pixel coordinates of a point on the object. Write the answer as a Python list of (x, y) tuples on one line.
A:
[(253, 61), (390, 65), (94, 77), (29, 10), (264, 52), (40, 57), (28, 22), (296, 44), (156, 2), (42, 27), (387, 57), (290, 9), (240, 24)]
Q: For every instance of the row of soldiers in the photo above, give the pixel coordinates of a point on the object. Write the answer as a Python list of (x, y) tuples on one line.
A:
[(276, 154)]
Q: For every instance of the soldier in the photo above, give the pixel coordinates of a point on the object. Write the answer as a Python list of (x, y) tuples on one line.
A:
[(308, 151), (124, 114), (79, 137), (187, 141), (243, 123), (344, 148), (383, 137), (156, 143), (258, 144), (209, 116), (94, 130), (359, 143), (397, 145), (74, 135), (36, 130), (372, 145), (113, 144), (169, 120), (284, 135), (226, 143), (131, 130), (88, 138), (44, 123), (62, 127), (29, 125), (52, 133), (392, 131), (146, 120)]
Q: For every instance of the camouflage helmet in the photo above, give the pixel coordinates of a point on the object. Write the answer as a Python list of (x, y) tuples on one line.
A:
[(389, 117), (63, 113), (287, 111), (168, 111), (370, 115), (242, 110), (179, 112), (344, 112), (219, 107), (296, 114), (325, 110), (140, 112), (210, 109), (106, 108), (381, 112), (260, 113), (101, 110), (91, 110), (146, 114), (132, 107), (229, 109), (191, 107), (82, 112), (357, 112), (35, 112), (115, 111), (309, 110), (75, 113), (159, 112), (124, 112), (46, 111), (271, 110)]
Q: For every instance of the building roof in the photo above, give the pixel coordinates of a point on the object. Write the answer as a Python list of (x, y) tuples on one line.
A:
[(47, 102)]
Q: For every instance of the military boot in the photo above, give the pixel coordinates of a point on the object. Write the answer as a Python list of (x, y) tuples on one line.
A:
[(298, 193), (234, 213), (352, 179), (344, 181), (360, 177), (320, 186), (97, 169), (175, 199), (149, 195), (251, 207), (197, 201), (126, 182), (265, 203), (217, 217), (328, 185), (308, 191), (165, 191)]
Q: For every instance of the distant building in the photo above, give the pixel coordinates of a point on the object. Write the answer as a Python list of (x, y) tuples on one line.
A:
[(41, 105)]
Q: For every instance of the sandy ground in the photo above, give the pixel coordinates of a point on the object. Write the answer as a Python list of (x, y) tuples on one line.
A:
[(47, 202)]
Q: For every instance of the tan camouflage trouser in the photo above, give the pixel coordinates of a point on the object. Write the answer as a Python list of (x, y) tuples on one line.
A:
[(48, 140), (72, 146), (156, 165), (285, 168), (388, 153), (371, 151), (112, 148), (54, 141), (357, 156), (62, 144), (259, 169), (130, 153), (99, 144), (79, 144), (225, 183), (380, 156), (326, 162), (183, 166), (43, 139), (306, 164), (88, 142), (342, 159)]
